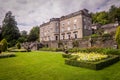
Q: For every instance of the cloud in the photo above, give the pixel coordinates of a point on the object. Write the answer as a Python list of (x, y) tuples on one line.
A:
[(29, 13)]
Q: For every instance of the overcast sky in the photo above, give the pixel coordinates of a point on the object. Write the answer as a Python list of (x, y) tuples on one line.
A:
[(29, 13)]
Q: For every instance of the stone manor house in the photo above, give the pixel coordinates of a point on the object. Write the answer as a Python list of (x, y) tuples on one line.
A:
[(65, 29)]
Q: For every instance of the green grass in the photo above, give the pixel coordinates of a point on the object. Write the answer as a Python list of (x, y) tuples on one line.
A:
[(50, 66)]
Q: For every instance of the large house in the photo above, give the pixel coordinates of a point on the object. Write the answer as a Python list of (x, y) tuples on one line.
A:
[(70, 27)]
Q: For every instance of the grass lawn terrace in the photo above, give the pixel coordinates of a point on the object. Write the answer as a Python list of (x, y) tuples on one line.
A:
[(41, 65)]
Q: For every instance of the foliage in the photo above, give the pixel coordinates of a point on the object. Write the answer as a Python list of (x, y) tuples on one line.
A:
[(93, 65), (100, 17), (18, 45), (110, 16), (4, 45), (94, 36), (75, 43), (34, 34), (23, 36), (7, 55), (10, 30), (51, 49), (93, 56), (96, 49), (117, 36)]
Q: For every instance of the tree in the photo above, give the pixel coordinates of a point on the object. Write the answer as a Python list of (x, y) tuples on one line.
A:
[(100, 17), (23, 36), (117, 36), (34, 34), (10, 30)]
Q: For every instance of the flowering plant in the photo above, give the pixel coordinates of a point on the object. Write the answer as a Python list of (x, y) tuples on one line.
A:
[(89, 56)]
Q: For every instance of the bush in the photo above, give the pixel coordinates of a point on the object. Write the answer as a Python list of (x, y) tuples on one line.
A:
[(7, 55), (75, 43), (4, 45), (18, 45), (66, 55), (51, 49), (93, 65), (94, 36), (96, 49)]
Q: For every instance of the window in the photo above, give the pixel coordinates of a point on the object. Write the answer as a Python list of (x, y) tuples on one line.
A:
[(68, 28), (63, 37), (85, 27), (56, 37), (68, 36), (75, 27), (75, 35), (63, 24), (62, 29), (57, 24), (75, 20), (68, 22)]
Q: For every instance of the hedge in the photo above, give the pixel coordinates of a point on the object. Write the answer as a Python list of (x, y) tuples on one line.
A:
[(93, 65), (7, 55), (95, 49), (51, 49)]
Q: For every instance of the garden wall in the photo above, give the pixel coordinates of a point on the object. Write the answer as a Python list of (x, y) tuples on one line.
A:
[(84, 43)]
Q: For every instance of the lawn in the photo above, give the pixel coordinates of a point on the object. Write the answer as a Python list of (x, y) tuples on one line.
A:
[(50, 66)]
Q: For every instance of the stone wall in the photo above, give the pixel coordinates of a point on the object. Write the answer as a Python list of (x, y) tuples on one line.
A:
[(84, 43)]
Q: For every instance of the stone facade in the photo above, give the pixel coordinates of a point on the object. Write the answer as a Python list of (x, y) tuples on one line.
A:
[(73, 26)]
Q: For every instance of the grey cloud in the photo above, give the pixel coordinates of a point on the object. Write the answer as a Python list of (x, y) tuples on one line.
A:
[(29, 13)]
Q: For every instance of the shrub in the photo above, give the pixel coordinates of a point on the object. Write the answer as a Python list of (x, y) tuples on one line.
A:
[(66, 55), (96, 49), (18, 45), (94, 36), (93, 65), (7, 55), (4, 45), (51, 49), (75, 43)]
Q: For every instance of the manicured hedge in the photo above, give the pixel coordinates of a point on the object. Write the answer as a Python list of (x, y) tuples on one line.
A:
[(93, 65), (51, 49), (66, 55), (98, 50), (7, 55)]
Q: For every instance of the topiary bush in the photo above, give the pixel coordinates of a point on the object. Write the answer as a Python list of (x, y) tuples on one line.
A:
[(4, 45)]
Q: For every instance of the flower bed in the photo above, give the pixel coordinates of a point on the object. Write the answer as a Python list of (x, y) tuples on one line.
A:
[(89, 57), (92, 60)]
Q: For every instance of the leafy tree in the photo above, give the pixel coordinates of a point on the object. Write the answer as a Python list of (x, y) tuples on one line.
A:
[(34, 34), (4, 45), (101, 18), (23, 37), (117, 36), (10, 30)]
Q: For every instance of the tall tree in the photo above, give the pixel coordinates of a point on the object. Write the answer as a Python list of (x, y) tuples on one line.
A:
[(10, 30), (100, 17), (23, 36), (34, 34)]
